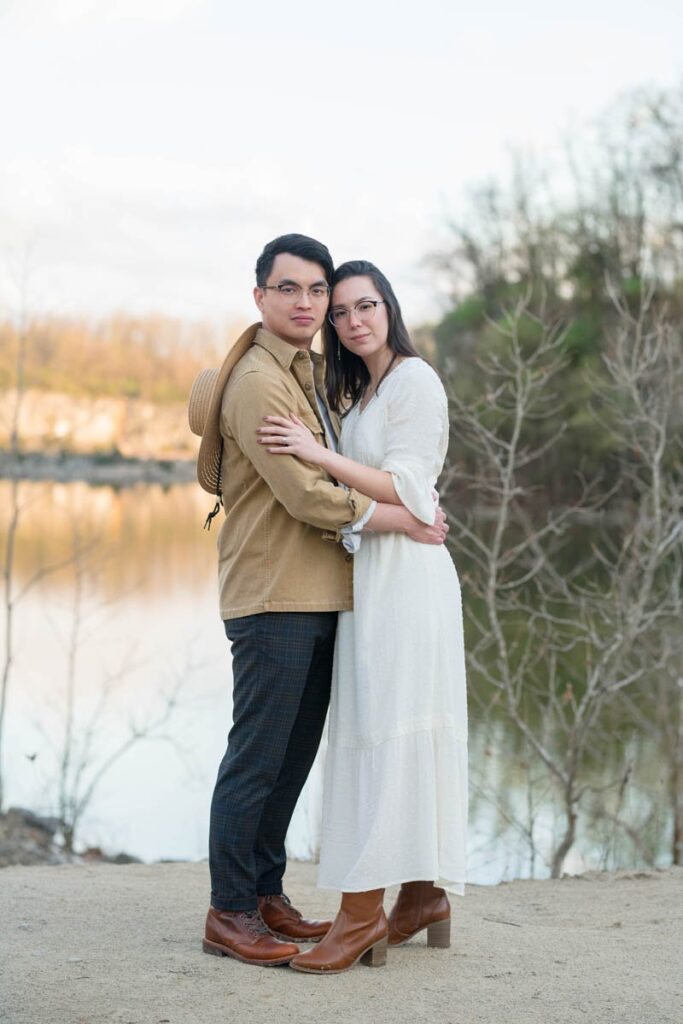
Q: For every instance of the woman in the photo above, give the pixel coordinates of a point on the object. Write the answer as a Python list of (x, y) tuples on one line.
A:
[(395, 799)]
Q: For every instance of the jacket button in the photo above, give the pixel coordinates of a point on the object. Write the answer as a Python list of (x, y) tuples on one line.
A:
[(349, 556), (308, 386)]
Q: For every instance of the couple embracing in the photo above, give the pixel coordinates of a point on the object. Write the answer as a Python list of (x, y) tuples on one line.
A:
[(336, 590)]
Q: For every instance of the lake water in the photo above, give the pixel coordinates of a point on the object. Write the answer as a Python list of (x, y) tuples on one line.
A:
[(149, 633)]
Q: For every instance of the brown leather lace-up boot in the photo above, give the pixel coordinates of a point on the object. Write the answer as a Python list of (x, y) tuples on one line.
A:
[(286, 922), (421, 905), (359, 932), (244, 936)]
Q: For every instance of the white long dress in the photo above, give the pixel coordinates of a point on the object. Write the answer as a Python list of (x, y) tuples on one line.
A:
[(395, 791)]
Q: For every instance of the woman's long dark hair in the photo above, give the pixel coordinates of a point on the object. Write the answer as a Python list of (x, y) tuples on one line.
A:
[(346, 375)]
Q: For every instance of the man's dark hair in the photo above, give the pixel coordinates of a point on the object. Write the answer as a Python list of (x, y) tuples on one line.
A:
[(297, 245)]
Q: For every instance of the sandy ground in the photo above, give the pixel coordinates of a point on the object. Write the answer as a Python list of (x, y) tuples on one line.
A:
[(89, 945)]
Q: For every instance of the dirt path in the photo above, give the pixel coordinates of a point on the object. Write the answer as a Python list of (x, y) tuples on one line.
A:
[(121, 945)]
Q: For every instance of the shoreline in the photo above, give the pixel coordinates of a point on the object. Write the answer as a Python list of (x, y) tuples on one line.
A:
[(121, 471), (105, 469), (104, 944)]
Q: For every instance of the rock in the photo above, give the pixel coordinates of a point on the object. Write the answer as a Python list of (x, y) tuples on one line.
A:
[(124, 858), (95, 854), (27, 838), (22, 816), (112, 469)]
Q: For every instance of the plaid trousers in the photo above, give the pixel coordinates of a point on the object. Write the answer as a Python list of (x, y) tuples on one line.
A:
[(282, 670)]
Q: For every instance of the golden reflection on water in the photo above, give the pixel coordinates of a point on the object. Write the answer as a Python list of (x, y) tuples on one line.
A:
[(145, 537)]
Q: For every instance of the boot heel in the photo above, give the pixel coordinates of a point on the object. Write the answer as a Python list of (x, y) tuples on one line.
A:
[(376, 956), (208, 947), (439, 934)]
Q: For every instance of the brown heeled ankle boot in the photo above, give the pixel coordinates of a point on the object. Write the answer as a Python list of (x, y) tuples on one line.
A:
[(359, 932), (421, 905)]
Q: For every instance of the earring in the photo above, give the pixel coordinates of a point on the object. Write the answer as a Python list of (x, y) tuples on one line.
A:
[(338, 348)]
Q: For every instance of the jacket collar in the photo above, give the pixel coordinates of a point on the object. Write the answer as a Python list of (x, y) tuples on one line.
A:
[(281, 350)]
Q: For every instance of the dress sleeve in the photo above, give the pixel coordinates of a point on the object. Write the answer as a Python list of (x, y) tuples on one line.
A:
[(417, 439)]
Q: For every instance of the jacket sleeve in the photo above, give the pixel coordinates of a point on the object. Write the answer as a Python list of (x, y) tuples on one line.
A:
[(306, 491), (417, 439)]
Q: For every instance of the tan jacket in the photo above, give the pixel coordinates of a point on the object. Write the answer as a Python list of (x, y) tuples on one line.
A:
[(278, 549)]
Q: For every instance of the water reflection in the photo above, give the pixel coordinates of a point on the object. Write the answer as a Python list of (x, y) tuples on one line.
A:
[(150, 622), (154, 533)]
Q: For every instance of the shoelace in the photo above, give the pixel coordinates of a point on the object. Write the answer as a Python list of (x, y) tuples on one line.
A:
[(254, 923)]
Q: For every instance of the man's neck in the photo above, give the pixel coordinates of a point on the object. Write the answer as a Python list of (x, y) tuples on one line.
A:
[(303, 345)]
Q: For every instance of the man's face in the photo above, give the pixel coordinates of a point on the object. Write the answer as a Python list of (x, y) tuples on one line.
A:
[(294, 302)]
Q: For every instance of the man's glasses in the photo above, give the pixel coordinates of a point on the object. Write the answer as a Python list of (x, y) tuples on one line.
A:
[(293, 292), (364, 310)]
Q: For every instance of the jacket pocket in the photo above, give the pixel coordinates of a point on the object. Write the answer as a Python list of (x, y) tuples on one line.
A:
[(313, 424)]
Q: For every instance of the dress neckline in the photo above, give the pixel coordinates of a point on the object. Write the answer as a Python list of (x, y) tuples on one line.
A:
[(408, 359)]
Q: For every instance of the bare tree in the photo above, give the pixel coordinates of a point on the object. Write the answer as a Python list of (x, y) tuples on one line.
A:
[(555, 643), (89, 742), (13, 593), (9, 596), (645, 387), (86, 758)]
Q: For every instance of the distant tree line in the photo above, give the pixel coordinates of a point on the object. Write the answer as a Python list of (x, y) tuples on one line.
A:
[(578, 243), (151, 357)]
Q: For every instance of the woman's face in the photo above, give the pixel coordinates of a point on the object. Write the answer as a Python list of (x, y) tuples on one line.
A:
[(364, 328)]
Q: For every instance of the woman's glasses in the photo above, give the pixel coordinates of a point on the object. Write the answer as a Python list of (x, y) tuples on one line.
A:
[(363, 310)]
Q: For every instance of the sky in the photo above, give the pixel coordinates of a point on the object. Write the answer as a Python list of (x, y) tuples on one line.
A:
[(150, 148)]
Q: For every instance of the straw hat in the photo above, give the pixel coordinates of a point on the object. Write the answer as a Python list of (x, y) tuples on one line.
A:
[(204, 411)]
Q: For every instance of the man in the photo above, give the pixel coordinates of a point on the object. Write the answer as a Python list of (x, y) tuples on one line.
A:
[(283, 576)]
